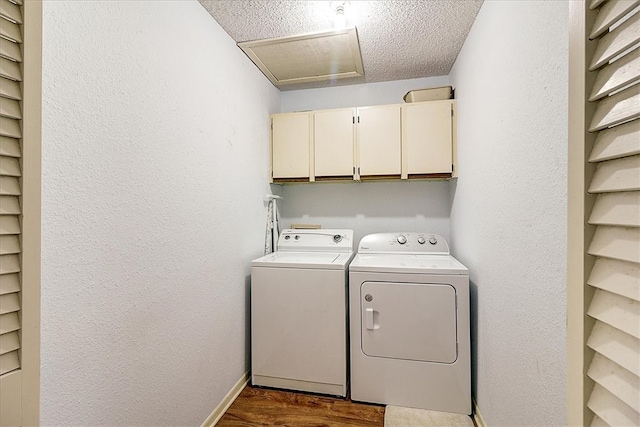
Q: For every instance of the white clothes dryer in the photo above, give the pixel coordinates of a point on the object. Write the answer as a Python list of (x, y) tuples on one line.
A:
[(409, 316), (299, 321)]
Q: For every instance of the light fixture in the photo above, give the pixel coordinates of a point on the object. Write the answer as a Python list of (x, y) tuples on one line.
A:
[(340, 18)]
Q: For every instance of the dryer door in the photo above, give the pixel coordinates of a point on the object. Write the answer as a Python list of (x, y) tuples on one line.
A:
[(410, 321)]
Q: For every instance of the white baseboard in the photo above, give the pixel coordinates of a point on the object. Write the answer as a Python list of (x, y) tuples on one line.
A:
[(477, 416), (217, 413)]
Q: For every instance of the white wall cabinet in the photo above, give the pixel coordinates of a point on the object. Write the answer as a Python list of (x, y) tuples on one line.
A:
[(333, 137), (379, 130), (427, 140), (291, 139), (408, 141)]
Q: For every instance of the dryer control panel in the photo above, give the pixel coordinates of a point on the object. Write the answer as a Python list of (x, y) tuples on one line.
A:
[(404, 242)]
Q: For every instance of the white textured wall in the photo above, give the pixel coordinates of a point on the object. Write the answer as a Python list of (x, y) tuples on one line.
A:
[(356, 95), (155, 148), (508, 219), (368, 207)]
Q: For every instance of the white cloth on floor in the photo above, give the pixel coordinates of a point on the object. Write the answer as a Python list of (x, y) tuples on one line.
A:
[(397, 416)]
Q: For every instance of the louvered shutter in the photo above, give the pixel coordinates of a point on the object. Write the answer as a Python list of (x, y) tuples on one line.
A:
[(10, 183), (615, 276)]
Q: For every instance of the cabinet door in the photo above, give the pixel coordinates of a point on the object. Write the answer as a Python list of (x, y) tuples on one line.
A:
[(291, 141), (428, 138), (379, 130), (333, 142)]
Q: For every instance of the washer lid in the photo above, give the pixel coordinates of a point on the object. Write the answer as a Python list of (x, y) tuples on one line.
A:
[(409, 263), (312, 260)]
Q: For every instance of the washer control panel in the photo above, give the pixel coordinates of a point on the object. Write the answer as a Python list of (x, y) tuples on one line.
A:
[(404, 242), (316, 240)]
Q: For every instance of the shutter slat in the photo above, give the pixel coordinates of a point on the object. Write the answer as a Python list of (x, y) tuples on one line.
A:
[(10, 30), (621, 243), (595, 3), (9, 244), (10, 128), (10, 108), (9, 362), (616, 75), (619, 277), (9, 264), (10, 69), (10, 50), (616, 380), (9, 166), (616, 175), (619, 312), (9, 205), (620, 141), (9, 342), (9, 186), (616, 42), (9, 303), (10, 11), (616, 109), (10, 89), (616, 345), (609, 14), (9, 283), (9, 322), (9, 224), (9, 147), (621, 209), (611, 409)]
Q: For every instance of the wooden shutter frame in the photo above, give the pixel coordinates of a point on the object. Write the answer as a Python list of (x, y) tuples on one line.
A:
[(580, 205), (31, 201)]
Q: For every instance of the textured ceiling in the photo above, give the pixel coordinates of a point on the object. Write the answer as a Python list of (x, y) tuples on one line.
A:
[(399, 39)]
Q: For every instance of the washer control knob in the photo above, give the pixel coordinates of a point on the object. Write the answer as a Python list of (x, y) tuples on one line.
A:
[(402, 239), (421, 240), (287, 237), (297, 237), (337, 238), (433, 240)]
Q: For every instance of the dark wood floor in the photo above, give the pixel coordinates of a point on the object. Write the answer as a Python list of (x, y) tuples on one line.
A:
[(267, 407)]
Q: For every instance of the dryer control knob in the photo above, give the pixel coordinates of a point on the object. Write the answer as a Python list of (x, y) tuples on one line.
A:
[(433, 240), (402, 240), (421, 240)]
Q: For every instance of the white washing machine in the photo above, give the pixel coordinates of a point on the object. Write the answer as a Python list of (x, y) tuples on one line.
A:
[(409, 315), (299, 320)]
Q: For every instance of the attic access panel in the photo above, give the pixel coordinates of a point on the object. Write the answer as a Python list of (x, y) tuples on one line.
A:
[(314, 57)]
